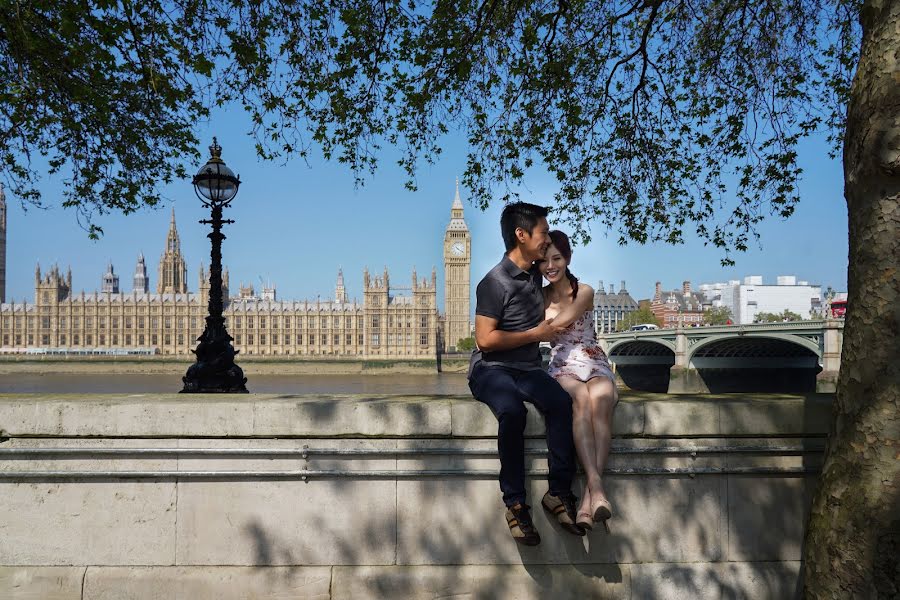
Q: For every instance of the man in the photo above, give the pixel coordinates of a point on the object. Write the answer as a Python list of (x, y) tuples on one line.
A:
[(506, 371)]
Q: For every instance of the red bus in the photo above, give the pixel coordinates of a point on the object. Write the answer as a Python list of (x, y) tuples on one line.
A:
[(838, 309)]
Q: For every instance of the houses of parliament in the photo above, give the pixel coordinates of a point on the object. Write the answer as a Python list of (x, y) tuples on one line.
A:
[(386, 325)]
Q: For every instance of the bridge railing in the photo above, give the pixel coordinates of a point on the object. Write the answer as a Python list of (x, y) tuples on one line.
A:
[(793, 326)]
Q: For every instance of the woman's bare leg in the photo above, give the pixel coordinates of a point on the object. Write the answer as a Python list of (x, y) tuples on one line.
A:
[(583, 434), (603, 397)]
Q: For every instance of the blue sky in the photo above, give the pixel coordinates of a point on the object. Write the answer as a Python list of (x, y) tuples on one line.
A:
[(297, 223)]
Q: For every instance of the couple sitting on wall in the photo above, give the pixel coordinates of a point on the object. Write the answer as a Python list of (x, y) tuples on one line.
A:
[(576, 395)]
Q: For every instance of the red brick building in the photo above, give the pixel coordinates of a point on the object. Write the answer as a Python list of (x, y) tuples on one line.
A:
[(678, 306)]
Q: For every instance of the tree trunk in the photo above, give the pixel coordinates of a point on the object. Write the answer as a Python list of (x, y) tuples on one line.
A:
[(852, 545)]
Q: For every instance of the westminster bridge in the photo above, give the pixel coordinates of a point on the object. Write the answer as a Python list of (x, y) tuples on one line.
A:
[(799, 356)]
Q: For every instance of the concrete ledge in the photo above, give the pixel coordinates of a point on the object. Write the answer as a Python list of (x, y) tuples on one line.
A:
[(538, 582), (626, 581), (653, 415), (685, 581), (811, 415), (207, 583), (123, 523), (41, 583), (709, 498), (171, 415), (350, 519)]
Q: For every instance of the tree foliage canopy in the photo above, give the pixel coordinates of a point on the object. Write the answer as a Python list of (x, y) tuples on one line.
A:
[(465, 344), (718, 315), (783, 317), (655, 116)]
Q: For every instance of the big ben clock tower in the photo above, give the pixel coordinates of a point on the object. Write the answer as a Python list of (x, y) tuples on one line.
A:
[(457, 261)]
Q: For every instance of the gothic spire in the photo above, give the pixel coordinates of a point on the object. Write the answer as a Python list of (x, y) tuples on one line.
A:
[(457, 202), (173, 242), (340, 293), (172, 269), (110, 282), (457, 219), (140, 281)]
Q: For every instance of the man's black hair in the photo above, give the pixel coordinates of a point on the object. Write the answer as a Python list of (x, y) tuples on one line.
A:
[(519, 214)]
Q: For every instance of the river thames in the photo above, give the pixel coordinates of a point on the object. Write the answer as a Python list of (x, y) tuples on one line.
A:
[(34, 383)]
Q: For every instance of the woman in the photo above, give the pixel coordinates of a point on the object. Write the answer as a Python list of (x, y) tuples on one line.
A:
[(581, 367)]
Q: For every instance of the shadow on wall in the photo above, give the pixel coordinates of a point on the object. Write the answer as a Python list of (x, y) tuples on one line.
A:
[(267, 550), (676, 524), (665, 531)]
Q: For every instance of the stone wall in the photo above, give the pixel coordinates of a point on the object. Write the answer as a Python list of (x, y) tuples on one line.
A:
[(122, 497), (18, 364)]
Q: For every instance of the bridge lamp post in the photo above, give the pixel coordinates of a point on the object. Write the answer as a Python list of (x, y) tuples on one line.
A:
[(215, 370)]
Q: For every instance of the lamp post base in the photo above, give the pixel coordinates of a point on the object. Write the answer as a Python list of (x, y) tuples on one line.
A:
[(215, 383), (215, 371)]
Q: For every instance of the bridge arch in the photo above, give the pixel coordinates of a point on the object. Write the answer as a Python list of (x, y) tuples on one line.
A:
[(639, 347), (755, 345), (774, 357), (758, 363), (643, 364)]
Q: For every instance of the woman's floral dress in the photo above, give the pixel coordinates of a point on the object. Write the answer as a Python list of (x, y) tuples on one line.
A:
[(576, 353)]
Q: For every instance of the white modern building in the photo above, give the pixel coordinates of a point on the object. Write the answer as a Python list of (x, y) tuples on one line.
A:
[(748, 298)]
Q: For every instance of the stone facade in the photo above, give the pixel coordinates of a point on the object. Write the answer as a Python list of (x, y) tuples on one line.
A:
[(384, 325), (679, 307), (611, 307), (457, 269)]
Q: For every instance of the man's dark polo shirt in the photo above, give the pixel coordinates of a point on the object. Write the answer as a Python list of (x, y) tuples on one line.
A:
[(514, 298)]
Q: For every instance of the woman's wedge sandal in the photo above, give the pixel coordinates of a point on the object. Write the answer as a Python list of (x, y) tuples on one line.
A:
[(584, 520), (602, 512)]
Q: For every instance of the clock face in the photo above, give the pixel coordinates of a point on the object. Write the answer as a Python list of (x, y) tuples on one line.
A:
[(457, 249)]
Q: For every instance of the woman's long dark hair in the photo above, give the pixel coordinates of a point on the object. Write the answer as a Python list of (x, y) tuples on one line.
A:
[(561, 241)]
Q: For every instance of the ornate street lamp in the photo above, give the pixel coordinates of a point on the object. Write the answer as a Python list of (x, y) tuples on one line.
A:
[(215, 371)]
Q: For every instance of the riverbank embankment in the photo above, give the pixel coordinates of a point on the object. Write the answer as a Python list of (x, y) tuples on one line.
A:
[(366, 497), (168, 365)]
